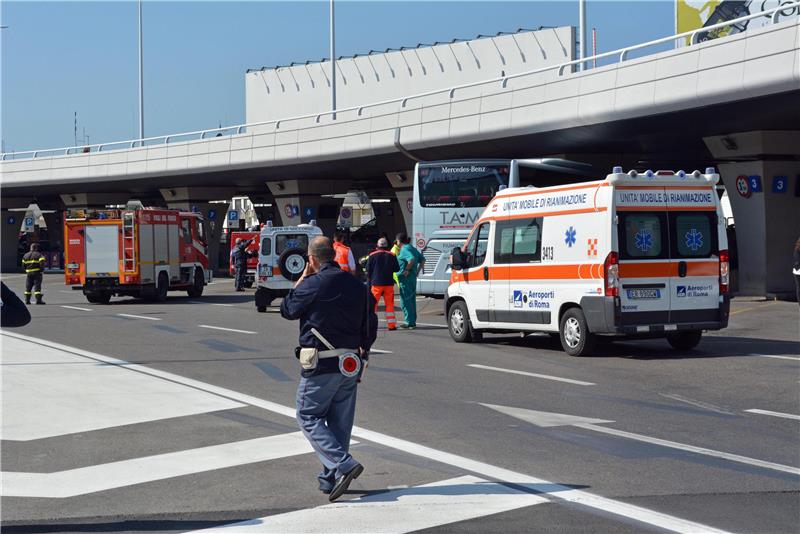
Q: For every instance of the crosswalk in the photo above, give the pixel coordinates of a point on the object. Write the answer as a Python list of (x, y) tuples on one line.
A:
[(78, 426)]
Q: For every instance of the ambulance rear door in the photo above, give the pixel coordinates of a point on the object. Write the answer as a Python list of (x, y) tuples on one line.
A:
[(644, 255), (694, 244)]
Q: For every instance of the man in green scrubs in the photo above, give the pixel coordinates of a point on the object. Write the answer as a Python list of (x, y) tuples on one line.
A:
[(411, 261)]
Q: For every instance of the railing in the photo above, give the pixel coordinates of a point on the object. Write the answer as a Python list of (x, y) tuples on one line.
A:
[(786, 10)]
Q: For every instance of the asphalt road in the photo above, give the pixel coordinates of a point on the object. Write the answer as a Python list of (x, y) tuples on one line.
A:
[(153, 417)]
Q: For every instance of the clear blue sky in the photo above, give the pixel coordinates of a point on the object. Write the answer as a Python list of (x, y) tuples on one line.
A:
[(62, 57)]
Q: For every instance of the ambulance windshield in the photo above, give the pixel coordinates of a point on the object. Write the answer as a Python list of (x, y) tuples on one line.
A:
[(460, 185)]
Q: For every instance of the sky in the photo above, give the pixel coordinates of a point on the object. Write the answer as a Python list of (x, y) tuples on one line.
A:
[(59, 58)]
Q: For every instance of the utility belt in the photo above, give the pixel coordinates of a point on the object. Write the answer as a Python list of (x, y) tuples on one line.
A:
[(349, 362)]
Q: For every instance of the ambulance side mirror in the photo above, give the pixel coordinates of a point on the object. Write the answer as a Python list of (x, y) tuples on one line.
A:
[(458, 259)]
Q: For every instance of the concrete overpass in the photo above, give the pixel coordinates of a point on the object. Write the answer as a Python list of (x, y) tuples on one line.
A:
[(732, 102)]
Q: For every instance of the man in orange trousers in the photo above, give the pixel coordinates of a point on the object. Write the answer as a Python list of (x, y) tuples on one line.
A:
[(381, 266)]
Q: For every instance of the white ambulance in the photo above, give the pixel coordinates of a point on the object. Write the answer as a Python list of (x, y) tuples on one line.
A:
[(634, 255)]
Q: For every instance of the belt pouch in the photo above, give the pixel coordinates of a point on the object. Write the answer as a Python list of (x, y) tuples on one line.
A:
[(308, 358)]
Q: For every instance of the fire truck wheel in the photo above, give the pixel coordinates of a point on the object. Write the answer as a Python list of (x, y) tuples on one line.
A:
[(575, 336), (162, 287), (197, 285), (99, 297), (685, 340), (292, 263)]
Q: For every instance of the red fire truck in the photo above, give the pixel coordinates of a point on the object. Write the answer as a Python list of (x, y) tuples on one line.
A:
[(139, 252), (252, 261)]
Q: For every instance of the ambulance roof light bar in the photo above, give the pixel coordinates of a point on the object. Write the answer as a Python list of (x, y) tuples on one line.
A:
[(663, 177)]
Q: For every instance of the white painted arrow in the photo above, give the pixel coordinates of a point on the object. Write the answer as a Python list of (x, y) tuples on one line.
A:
[(548, 419)]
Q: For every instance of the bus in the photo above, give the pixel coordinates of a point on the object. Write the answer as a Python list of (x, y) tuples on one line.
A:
[(449, 196)]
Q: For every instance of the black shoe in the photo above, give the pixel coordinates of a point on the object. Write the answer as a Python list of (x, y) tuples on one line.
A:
[(41, 302), (28, 302), (343, 482)]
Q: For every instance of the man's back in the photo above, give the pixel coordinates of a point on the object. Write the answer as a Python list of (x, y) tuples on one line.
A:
[(381, 267)]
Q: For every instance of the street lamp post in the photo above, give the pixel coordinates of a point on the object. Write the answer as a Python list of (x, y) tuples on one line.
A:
[(141, 77), (333, 62)]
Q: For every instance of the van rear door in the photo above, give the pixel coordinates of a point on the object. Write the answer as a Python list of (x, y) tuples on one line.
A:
[(644, 268), (694, 245)]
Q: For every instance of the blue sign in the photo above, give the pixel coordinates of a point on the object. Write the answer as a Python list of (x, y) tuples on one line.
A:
[(233, 216), (11, 220), (308, 212), (212, 214), (195, 209), (780, 184), (28, 221), (755, 184)]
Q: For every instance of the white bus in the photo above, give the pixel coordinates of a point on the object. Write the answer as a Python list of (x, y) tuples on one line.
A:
[(449, 196)]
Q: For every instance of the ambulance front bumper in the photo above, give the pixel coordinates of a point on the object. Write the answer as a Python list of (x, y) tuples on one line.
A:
[(604, 316)]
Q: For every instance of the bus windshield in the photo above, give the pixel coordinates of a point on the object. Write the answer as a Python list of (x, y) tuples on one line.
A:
[(460, 185)]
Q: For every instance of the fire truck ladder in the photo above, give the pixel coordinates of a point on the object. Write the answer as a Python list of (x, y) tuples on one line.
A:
[(128, 242)]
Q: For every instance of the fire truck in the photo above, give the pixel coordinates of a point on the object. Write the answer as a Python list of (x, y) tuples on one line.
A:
[(139, 252), (252, 261)]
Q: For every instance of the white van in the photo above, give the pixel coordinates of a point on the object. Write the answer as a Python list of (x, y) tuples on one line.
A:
[(281, 260), (634, 255)]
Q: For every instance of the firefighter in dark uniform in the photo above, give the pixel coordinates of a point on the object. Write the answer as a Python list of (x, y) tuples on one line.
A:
[(33, 262), (239, 257), (338, 326)]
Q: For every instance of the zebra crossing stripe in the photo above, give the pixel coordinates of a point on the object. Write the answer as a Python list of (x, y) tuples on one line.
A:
[(396, 511), (112, 475)]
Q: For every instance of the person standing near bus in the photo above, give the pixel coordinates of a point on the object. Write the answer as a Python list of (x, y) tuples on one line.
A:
[(381, 266), (344, 255), (410, 261)]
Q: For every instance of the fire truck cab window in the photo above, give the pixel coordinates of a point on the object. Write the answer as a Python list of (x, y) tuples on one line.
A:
[(186, 230)]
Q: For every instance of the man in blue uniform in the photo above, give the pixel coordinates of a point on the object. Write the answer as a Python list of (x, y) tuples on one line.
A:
[(337, 328), (239, 256)]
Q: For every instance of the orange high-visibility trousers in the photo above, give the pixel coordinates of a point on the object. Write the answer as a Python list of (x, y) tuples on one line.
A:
[(388, 301)]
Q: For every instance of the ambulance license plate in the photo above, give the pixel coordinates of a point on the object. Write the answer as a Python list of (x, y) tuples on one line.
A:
[(644, 293)]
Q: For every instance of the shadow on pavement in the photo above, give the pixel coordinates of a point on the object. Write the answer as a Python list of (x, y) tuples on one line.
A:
[(122, 526)]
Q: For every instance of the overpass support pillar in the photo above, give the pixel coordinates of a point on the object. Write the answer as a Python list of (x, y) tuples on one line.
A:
[(403, 184), (764, 192), (199, 199), (300, 201), (9, 238)]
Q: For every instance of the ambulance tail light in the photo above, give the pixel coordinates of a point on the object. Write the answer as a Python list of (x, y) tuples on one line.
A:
[(724, 272), (611, 269)]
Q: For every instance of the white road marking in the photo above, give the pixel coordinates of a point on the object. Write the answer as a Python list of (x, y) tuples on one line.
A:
[(102, 477), (99, 395), (380, 351), (65, 291), (775, 414), (76, 308), (421, 324), (793, 358), (535, 375), (210, 303), (547, 419), (226, 329), (543, 487), (12, 276), (138, 317), (699, 404), (397, 511)]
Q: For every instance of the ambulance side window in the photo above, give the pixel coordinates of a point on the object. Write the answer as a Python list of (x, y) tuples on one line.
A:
[(643, 235), (518, 241), (476, 248)]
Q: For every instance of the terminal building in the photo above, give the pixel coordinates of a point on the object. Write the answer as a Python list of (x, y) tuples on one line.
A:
[(729, 103)]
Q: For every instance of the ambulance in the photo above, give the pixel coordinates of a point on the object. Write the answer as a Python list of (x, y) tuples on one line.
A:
[(637, 255), (281, 260)]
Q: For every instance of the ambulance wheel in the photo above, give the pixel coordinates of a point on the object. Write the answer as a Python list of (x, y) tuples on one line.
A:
[(686, 340), (459, 325), (575, 336), (292, 263), (162, 287), (263, 298), (99, 297), (197, 285)]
